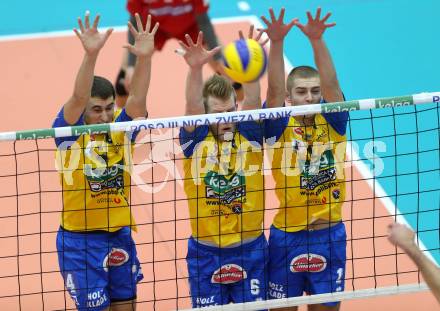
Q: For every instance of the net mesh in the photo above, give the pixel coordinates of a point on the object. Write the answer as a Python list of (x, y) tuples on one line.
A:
[(392, 168)]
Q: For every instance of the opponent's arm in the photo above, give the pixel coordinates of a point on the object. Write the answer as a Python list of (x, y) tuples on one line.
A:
[(403, 237), (314, 30), (276, 31), (143, 48), (195, 56), (205, 26), (92, 41)]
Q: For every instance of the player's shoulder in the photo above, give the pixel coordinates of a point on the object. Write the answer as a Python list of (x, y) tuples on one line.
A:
[(252, 131)]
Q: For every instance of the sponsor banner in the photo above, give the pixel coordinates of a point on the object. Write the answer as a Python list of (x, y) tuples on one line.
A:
[(90, 129), (35, 134), (340, 107), (237, 116), (394, 102)]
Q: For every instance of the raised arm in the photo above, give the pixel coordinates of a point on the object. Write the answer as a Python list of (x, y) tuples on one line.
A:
[(195, 56), (92, 41), (143, 48), (130, 57), (403, 237), (252, 96), (276, 31), (314, 30)]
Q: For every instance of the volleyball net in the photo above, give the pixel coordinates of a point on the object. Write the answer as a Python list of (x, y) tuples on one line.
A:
[(391, 174)]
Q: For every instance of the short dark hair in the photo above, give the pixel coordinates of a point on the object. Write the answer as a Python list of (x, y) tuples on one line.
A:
[(301, 72), (219, 87), (102, 88)]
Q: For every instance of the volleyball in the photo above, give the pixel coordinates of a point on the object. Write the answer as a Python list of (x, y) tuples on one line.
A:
[(244, 60)]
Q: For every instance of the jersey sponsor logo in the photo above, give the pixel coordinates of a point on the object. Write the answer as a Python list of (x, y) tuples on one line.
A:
[(108, 200), (117, 257), (236, 208), (171, 10), (308, 263), (117, 182), (225, 190), (228, 274), (327, 172), (109, 192), (312, 182), (105, 178), (336, 194), (325, 187), (103, 173), (298, 131)]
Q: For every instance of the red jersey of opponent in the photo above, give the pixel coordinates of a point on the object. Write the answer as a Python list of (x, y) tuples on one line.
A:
[(174, 16)]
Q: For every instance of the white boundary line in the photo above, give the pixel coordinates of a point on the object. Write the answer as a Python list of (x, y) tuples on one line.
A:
[(119, 28)]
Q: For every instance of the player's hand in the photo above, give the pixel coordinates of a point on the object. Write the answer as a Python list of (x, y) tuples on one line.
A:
[(276, 29), (315, 27), (144, 38), (91, 39), (401, 236), (251, 35), (195, 54)]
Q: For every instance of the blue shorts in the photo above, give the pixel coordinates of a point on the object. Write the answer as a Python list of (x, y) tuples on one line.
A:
[(307, 261), (222, 275), (98, 268)]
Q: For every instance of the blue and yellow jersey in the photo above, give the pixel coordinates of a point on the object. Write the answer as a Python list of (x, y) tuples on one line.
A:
[(95, 178), (308, 168), (224, 184)]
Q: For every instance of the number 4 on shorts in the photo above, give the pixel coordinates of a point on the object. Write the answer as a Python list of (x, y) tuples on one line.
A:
[(70, 285)]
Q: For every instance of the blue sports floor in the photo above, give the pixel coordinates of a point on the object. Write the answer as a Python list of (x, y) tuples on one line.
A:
[(380, 48)]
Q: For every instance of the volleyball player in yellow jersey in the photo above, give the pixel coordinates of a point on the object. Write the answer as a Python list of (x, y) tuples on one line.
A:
[(307, 241), (227, 252), (96, 252)]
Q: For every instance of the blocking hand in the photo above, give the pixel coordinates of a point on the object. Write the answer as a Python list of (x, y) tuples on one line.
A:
[(276, 29), (91, 39), (316, 27), (251, 35), (195, 54), (144, 38)]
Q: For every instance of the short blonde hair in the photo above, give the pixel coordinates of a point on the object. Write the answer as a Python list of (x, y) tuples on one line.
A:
[(219, 87)]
